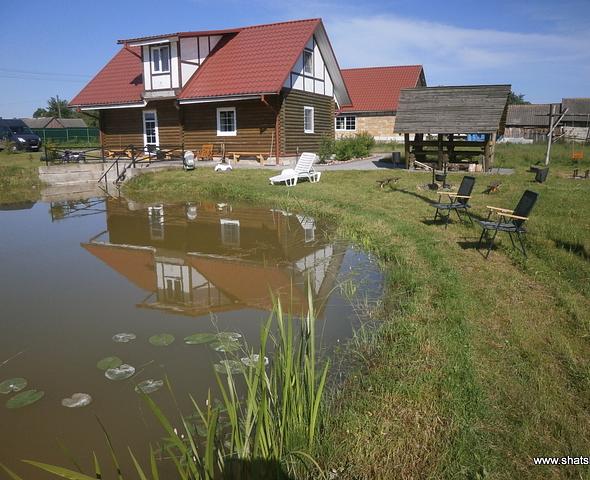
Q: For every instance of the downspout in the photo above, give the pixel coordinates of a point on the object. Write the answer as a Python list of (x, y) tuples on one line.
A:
[(277, 127)]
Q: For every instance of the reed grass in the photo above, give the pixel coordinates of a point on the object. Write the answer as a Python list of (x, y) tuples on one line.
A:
[(265, 426)]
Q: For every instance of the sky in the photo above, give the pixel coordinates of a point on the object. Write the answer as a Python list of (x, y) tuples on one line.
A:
[(539, 47)]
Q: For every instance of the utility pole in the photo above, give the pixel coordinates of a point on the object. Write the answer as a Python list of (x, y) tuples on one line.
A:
[(552, 126), (58, 107)]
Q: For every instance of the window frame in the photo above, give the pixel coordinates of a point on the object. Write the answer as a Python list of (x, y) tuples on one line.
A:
[(156, 129), (153, 64), (311, 55), (305, 110), (231, 133), (230, 232), (345, 129)]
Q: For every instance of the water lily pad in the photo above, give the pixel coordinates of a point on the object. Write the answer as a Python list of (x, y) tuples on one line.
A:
[(231, 336), (149, 386), (233, 366), (25, 398), (161, 340), (77, 400), (124, 337), (225, 346), (109, 362), (13, 385), (200, 338), (120, 373), (252, 360)]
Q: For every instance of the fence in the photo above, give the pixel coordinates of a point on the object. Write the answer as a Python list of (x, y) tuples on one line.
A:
[(68, 135)]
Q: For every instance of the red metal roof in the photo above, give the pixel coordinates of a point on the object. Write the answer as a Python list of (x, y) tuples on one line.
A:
[(120, 81), (256, 60), (378, 88)]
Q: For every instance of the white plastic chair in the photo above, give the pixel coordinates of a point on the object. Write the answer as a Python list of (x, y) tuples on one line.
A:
[(303, 169)]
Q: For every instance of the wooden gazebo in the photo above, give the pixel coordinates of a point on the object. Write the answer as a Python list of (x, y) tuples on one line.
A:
[(456, 124)]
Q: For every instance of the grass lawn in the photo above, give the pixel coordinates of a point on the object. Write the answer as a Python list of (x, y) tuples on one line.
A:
[(19, 179), (475, 366)]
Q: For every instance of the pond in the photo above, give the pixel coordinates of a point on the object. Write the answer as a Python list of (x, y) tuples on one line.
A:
[(78, 275)]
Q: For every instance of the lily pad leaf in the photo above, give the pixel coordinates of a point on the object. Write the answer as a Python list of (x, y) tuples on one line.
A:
[(149, 386), (230, 336), (124, 337), (13, 385), (229, 366), (161, 340), (225, 345), (109, 362), (25, 398), (77, 400), (252, 360), (200, 338), (121, 372)]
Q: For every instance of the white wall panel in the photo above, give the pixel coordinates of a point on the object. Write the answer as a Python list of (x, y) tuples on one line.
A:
[(174, 64), (161, 82), (147, 81)]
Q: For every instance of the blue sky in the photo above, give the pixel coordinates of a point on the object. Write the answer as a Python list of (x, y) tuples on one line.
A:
[(540, 47)]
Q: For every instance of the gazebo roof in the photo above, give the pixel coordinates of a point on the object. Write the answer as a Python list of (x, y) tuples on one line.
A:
[(452, 109)]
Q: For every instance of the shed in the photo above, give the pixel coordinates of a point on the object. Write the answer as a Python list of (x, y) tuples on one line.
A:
[(528, 121), (451, 113)]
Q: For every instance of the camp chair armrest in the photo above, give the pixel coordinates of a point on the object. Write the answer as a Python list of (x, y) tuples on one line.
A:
[(517, 217), (499, 209), (458, 196)]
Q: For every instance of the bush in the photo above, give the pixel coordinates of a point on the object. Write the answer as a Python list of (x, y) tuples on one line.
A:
[(354, 147), (326, 149)]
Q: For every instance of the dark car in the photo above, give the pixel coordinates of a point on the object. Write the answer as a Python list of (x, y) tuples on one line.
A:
[(17, 132)]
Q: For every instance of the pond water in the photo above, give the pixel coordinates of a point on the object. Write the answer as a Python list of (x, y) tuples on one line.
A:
[(75, 274)]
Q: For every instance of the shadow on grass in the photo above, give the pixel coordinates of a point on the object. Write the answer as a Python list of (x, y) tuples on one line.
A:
[(236, 469), (575, 248)]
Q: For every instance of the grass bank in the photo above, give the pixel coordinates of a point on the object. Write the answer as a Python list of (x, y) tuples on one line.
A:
[(19, 178), (477, 366)]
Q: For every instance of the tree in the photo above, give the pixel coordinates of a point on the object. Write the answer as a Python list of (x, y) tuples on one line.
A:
[(56, 107), (517, 99)]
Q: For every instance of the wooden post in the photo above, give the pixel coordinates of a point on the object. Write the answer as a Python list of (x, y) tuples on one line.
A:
[(486, 153), (550, 134), (440, 151), (407, 150), (492, 151)]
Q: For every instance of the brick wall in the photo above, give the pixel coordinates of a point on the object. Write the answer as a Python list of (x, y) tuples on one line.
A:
[(379, 127)]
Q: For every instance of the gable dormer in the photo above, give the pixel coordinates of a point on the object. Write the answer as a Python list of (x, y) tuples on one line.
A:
[(169, 62)]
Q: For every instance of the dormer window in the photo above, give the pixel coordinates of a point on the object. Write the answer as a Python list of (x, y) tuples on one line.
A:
[(161, 59), (308, 62)]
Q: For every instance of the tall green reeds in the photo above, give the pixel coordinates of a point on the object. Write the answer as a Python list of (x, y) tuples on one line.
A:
[(265, 425)]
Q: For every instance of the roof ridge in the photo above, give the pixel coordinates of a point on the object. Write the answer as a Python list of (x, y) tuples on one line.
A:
[(382, 67), (286, 22)]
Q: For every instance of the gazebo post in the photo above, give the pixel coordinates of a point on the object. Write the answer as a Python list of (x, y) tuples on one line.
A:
[(440, 151), (407, 150)]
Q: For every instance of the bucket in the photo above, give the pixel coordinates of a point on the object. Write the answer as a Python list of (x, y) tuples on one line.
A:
[(396, 157)]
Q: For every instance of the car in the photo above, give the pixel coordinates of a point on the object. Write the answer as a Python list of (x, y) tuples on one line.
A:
[(16, 132)]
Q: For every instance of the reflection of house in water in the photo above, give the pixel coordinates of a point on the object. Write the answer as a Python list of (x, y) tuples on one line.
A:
[(208, 257)]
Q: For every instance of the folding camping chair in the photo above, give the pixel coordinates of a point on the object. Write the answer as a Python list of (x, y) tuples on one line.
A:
[(458, 201), (509, 221)]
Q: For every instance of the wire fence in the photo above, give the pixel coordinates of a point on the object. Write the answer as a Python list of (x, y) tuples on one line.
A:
[(62, 136)]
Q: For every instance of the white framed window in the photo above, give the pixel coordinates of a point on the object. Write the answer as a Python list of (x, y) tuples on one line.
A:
[(150, 128), (308, 62), (226, 122), (230, 232), (308, 119), (346, 123), (161, 59), (156, 222)]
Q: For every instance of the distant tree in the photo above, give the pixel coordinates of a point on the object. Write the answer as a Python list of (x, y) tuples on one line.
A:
[(56, 107), (517, 99)]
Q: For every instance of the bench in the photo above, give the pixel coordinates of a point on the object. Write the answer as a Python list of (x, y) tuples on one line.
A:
[(261, 157)]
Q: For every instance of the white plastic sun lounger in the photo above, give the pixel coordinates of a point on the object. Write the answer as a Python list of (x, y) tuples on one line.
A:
[(303, 169)]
